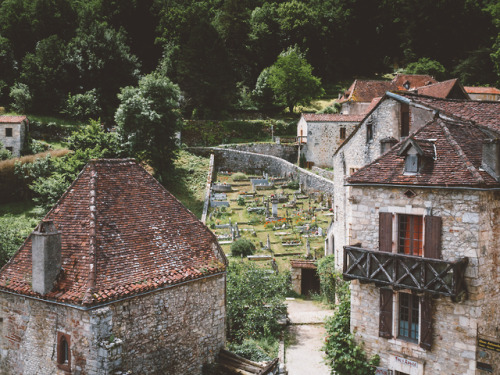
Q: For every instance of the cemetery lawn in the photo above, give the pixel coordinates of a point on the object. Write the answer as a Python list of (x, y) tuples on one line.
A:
[(287, 234)]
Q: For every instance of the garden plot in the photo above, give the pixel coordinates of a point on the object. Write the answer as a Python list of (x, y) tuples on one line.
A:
[(281, 221)]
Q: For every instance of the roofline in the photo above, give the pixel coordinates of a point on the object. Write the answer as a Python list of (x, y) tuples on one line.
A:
[(422, 186), (93, 307)]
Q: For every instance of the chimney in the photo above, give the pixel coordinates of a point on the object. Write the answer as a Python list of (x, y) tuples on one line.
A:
[(491, 157), (46, 256)]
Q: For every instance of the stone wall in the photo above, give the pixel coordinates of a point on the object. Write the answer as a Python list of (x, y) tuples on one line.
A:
[(17, 139), (467, 223), (171, 331), (283, 151), (323, 139), (256, 163)]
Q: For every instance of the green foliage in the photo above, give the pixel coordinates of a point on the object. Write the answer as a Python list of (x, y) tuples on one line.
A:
[(83, 106), (148, 119), (263, 93), (239, 176), (255, 301), (292, 80), (426, 66), (21, 97), (242, 248), (294, 184), (328, 278), (302, 160), (4, 153), (241, 201), (13, 231), (93, 136), (331, 109), (257, 351), (344, 355)]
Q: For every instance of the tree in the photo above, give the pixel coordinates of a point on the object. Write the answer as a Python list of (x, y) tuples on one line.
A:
[(292, 80), (148, 119), (425, 65)]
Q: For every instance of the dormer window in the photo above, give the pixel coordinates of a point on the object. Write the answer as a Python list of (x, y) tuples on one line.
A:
[(406, 85), (416, 153), (411, 164)]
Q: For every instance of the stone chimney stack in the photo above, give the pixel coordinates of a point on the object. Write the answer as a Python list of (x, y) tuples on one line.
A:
[(46, 256), (491, 157)]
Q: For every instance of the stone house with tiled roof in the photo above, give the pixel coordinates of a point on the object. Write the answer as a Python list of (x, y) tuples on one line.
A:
[(13, 132), (119, 276), (483, 93), (319, 135), (425, 240)]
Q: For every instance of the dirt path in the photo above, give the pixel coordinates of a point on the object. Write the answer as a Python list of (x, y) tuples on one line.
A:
[(303, 356)]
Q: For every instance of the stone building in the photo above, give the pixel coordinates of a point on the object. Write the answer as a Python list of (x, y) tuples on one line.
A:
[(119, 276), (483, 93), (13, 132), (396, 116), (425, 222), (319, 135)]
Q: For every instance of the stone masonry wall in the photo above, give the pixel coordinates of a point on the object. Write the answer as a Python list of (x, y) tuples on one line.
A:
[(323, 139), (171, 331), (283, 151), (17, 139), (256, 163), (455, 324)]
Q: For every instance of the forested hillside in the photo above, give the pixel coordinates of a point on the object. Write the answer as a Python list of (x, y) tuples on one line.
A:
[(64, 55)]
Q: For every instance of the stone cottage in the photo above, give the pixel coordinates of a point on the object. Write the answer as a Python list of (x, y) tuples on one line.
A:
[(13, 132), (425, 222), (119, 276), (395, 117), (319, 135)]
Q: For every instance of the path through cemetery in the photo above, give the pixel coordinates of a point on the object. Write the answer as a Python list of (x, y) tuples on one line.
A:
[(307, 336)]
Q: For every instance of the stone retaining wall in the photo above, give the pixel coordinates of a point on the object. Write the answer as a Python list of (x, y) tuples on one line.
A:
[(283, 151), (250, 162)]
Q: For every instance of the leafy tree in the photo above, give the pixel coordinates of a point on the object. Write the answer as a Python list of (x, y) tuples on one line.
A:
[(425, 65), (292, 80), (148, 119), (92, 136), (7, 67), (255, 301), (242, 247), (21, 97), (263, 92), (83, 106)]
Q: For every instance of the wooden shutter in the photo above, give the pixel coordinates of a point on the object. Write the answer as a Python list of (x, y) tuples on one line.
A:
[(426, 324), (433, 228), (385, 231), (385, 319)]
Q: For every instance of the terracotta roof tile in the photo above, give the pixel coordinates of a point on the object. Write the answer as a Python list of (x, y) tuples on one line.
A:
[(439, 89), (336, 117), (414, 80), (453, 152), (482, 90), (7, 119), (118, 220)]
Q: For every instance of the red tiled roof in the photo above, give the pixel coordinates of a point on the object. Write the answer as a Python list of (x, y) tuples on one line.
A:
[(4, 119), (486, 113), (335, 117), (415, 80), (122, 234), (440, 89), (482, 90), (455, 161)]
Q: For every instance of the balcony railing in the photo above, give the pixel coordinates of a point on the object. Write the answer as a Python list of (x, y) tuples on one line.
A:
[(402, 271)]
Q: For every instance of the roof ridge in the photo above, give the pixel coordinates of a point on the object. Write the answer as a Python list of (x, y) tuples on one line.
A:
[(468, 164), (91, 280)]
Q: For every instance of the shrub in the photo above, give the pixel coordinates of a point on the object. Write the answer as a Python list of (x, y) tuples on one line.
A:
[(344, 355), (241, 201), (83, 106), (328, 278), (294, 184), (250, 349), (4, 153), (255, 301), (239, 176), (242, 247), (21, 97), (302, 160)]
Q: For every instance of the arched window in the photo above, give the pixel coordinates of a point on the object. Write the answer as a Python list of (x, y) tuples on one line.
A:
[(63, 351)]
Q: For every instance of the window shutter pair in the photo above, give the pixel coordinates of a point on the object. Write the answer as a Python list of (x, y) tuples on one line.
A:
[(432, 249)]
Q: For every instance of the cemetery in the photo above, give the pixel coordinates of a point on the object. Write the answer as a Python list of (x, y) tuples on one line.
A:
[(281, 221)]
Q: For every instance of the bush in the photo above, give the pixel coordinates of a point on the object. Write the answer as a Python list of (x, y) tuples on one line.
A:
[(294, 184), (250, 349), (21, 97), (241, 201), (242, 247), (83, 106), (427, 66), (255, 302), (4, 153), (328, 278), (239, 176), (344, 355), (302, 160)]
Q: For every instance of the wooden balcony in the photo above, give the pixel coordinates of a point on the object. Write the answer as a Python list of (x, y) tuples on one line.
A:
[(401, 271)]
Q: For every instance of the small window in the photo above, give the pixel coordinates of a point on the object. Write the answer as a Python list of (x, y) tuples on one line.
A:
[(342, 133), (410, 234), (8, 132), (411, 163), (11, 149), (63, 351), (409, 312), (352, 171), (369, 131)]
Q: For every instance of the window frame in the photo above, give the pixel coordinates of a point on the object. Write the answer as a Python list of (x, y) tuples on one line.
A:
[(64, 356), (410, 228), (369, 131), (412, 333), (9, 132), (342, 132)]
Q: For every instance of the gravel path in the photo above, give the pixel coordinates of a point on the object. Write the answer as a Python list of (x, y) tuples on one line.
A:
[(304, 356)]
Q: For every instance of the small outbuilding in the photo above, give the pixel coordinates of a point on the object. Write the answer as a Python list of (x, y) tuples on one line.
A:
[(13, 131)]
